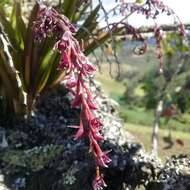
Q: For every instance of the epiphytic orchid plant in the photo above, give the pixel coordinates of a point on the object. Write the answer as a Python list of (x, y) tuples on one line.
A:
[(78, 68), (20, 57)]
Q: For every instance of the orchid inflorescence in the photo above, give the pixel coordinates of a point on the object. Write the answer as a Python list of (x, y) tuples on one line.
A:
[(77, 68)]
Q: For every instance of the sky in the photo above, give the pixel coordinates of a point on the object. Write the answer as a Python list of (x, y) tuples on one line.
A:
[(180, 7)]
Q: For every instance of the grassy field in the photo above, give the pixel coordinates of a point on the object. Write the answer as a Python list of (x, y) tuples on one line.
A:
[(134, 114), (143, 135), (113, 88), (140, 116)]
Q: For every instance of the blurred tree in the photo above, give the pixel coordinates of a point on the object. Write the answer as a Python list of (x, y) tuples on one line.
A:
[(162, 89)]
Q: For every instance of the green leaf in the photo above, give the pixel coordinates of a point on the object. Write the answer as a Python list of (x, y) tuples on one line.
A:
[(9, 30), (44, 71), (69, 8), (9, 76), (55, 73), (28, 55), (89, 25), (80, 13), (18, 23)]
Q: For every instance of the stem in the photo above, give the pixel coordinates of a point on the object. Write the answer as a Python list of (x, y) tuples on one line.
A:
[(30, 102), (156, 126)]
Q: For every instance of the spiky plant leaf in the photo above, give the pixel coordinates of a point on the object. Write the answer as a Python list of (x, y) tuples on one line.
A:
[(69, 8), (9, 76), (18, 23), (89, 25), (8, 29)]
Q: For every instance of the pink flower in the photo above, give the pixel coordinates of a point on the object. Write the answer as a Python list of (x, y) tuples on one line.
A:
[(96, 126), (77, 101), (99, 183), (96, 123), (101, 157), (80, 132), (71, 82), (65, 62), (87, 68), (61, 45), (91, 104), (90, 99), (97, 136), (50, 22)]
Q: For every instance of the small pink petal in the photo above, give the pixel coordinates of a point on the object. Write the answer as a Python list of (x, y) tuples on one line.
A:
[(80, 132), (99, 183), (71, 83), (73, 126), (77, 101), (97, 136), (96, 123), (64, 62), (91, 104), (101, 157), (88, 68)]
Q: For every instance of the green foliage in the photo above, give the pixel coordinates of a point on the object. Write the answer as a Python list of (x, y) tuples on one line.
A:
[(142, 117), (151, 89), (31, 60), (4, 2), (136, 115), (173, 44), (11, 90), (173, 79), (129, 95)]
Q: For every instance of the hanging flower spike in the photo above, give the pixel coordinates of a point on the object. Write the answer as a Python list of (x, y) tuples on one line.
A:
[(159, 36), (77, 68)]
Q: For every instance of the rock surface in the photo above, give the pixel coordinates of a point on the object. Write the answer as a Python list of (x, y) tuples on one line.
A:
[(42, 155)]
